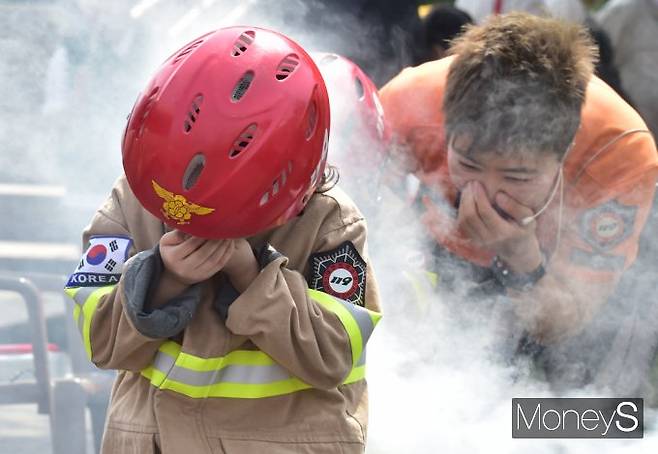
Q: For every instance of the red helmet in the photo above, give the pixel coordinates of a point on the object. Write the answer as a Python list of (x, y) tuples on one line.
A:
[(230, 136), (353, 97), (360, 135)]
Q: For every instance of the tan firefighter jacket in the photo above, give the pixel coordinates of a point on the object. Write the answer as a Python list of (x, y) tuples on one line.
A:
[(284, 373)]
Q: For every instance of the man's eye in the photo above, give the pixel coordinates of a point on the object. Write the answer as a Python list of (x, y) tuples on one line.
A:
[(517, 179), (468, 166)]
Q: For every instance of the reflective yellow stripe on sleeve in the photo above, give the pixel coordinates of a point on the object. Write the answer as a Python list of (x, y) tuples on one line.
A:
[(245, 374), (86, 300), (359, 322), (252, 374)]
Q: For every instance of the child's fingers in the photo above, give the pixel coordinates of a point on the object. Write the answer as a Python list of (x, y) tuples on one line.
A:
[(208, 252), (224, 255), (189, 247), (216, 261), (172, 238)]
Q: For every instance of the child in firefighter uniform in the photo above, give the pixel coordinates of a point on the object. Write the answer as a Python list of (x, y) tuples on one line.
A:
[(537, 178), (225, 277)]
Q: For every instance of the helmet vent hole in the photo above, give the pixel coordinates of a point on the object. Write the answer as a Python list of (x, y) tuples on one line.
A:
[(243, 141), (193, 171), (287, 67), (193, 113), (146, 110), (285, 173), (242, 86), (360, 91), (186, 51), (311, 120), (284, 178), (327, 59), (242, 43), (277, 185)]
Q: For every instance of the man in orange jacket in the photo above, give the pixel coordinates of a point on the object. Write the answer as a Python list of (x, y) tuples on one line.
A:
[(535, 175)]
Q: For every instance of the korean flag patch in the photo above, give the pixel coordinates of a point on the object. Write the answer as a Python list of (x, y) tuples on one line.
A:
[(340, 272), (102, 263)]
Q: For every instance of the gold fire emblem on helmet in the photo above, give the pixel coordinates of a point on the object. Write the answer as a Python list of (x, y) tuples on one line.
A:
[(176, 207)]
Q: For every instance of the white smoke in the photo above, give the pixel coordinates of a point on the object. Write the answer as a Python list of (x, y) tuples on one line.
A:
[(440, 374)]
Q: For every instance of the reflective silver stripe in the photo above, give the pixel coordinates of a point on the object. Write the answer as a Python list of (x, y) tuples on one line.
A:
[(246, 374), (362, 318), (362, 360), (163, 362), (82, 294), (235, 373), (80, 297), (230, 374)]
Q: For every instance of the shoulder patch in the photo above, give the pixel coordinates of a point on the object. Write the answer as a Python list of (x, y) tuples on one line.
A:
[(340, 272), (102, 262), (606, 226)]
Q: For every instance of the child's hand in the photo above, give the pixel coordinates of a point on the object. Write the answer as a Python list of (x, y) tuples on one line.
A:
[(242, 268), (190, 259)]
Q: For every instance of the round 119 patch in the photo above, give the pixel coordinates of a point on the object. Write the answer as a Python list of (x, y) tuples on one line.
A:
[(608, 225), (340, 272)]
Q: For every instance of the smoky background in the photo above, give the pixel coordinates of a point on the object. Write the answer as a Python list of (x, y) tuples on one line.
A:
[(442, 368)]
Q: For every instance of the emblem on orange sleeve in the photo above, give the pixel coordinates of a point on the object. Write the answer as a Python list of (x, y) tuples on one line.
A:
[(607, 226), (176, 207)]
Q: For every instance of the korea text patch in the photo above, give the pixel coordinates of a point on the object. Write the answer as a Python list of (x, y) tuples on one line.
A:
[(102, 263)]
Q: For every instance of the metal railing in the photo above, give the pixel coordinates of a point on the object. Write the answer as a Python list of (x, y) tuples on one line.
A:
[(64, 400), (38, 391)]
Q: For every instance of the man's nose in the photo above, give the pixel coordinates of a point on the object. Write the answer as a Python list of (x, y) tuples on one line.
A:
[(491, 186)]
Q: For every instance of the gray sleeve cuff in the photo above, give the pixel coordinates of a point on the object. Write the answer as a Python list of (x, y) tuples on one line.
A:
[(226, 294), (266, 254), (141, 278)]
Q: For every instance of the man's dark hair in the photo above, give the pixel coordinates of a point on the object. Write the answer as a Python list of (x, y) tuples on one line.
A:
[(517, 84)]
